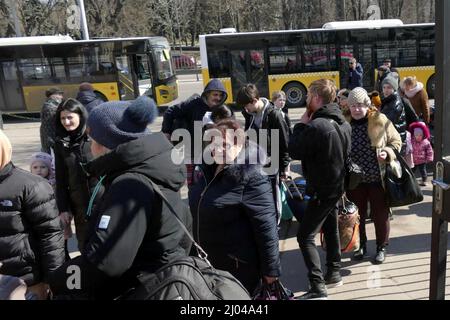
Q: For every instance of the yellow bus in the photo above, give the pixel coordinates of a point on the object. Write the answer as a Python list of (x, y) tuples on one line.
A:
[(290, 60), (119, 69)]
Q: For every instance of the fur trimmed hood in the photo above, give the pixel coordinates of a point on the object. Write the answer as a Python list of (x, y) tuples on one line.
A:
[(421, 125)]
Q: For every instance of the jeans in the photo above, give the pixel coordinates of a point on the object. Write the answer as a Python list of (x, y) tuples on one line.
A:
[(320, 215), (423, 170)]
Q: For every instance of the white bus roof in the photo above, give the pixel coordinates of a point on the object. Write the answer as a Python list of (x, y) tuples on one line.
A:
[(336, 25), (34, 40), (41, 40)]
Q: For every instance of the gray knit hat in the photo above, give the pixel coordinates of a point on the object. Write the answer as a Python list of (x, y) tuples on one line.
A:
[(392, 81), (359, 95), (113, 123)]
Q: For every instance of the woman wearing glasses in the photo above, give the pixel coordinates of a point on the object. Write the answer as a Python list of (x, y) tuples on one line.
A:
[(73, 186)]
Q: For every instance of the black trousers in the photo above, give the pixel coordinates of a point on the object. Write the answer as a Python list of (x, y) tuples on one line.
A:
[(320, 215), (422, 169)]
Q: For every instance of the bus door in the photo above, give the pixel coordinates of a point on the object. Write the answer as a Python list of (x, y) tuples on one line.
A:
[(249, 66), (11, 98), (143, 73), (125, 77)]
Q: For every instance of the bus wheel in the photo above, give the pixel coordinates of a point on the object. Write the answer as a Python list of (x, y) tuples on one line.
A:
[(431, 86), (295, 94), (101, 96)]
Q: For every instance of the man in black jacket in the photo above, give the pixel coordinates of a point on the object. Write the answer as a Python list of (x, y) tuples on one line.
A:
[(87, 96), (131, 230), (318, 145), (31, 235), (48, 113)]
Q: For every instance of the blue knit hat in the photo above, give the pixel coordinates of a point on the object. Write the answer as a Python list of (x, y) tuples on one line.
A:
[(116, 122)]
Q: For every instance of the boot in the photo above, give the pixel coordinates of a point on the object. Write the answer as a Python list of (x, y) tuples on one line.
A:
[(380, 256), (361, 253), (333, 278), (317, 292), (424, 182)]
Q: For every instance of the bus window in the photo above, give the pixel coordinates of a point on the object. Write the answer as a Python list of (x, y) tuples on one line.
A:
[(57, 68), (283, 60), (316, 57), (407, 53), (218, 61), (34, 69), (426, 52), (75, 65)]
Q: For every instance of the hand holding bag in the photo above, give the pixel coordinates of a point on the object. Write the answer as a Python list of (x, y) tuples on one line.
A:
[(273, 291), (403, 190)]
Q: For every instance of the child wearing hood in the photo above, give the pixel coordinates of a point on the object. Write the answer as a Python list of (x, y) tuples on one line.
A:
[(41, 164), (422, 150)]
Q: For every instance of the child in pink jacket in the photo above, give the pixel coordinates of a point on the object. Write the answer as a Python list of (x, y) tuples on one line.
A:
[(422, 150)]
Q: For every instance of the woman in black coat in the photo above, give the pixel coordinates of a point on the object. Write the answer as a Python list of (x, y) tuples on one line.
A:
[(233, 209), (72, 147), (392, 106)]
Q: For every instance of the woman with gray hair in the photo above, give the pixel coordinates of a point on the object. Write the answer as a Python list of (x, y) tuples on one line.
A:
[(374, 139)]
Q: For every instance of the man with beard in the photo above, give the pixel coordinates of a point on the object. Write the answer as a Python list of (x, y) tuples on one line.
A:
[(317, 143), (188, 112)]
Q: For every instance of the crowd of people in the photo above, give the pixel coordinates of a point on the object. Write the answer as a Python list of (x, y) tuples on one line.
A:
[(99, 160)]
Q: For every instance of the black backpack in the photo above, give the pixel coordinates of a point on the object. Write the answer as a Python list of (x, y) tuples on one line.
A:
[(187, 278)]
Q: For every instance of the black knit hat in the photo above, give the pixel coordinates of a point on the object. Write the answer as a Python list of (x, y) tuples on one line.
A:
[(116, 122)]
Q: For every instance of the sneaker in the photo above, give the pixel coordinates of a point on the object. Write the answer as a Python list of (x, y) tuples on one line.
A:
[(361, 253), (318, 292), (333, 279), (380, 256)]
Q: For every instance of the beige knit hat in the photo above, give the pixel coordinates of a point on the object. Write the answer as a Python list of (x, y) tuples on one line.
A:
[(359, 95)]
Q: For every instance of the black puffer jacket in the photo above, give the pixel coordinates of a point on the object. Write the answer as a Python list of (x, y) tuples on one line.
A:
[(131, 230), (235, 217), (320, 149), (272, 119), (89, 100), (394, 110), (73, 187), (31, 237)]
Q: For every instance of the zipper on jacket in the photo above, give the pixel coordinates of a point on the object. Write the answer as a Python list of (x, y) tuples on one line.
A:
[(200, 201)]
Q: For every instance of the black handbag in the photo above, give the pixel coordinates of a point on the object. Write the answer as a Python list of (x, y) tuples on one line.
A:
[(401, 191)]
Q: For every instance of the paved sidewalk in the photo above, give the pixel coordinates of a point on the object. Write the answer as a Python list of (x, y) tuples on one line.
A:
[(404, 275)]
